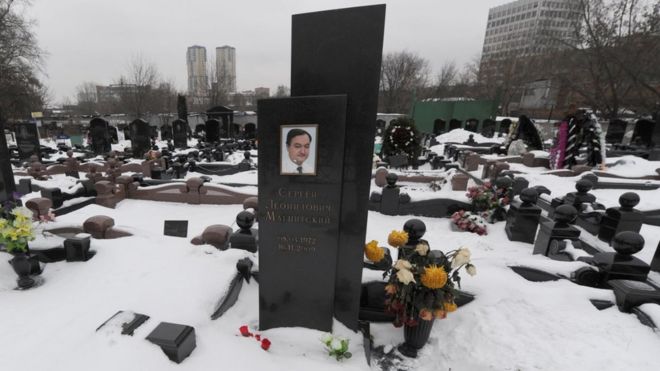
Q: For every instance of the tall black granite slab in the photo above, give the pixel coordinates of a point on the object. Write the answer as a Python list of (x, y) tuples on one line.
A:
[(522, 219), (180, 133), (299, 215), (340, 52), (212, 130), (100, 136), (7, 184), (27, 140), (140, 137)]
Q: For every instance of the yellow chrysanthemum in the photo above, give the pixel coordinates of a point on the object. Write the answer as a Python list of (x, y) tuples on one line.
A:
[(450, 306), (397, 238), (3, 223), (373, 252), (434, 277)]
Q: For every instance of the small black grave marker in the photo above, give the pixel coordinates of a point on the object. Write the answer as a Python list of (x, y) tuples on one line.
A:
[(176, 228)]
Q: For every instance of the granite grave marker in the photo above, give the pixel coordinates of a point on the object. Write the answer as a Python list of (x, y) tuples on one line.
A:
[(140, 137), (339, 52), (27, 140), (299, 211)]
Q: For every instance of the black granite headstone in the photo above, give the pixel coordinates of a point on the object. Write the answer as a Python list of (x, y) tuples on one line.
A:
[(212, 131), (246, 237), (140, 137), (77, 249), (176, 228), (100, 136), (559, 229), (619, 219), (27, 140), (629, 293), (180, 133), (7, 184), (340, 52), (166, 132), (299, 213), (522, 219)]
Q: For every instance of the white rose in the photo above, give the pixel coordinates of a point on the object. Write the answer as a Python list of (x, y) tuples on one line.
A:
[(402, 264), (462, 257), (336, 344), (471, 269), (327, 338), (422, 249), (405, 276)]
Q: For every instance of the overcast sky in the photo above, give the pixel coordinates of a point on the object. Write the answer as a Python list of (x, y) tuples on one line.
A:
[(93, 40)]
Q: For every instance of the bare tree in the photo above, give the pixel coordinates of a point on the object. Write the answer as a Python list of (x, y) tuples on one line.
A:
[(86, 98), (20, 62), (136, 87), (445, 80), (611, 61), (219, 84), (282, 91), (403, 75)]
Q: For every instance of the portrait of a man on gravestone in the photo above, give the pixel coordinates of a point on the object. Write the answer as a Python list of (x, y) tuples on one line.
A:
[(298, 152)]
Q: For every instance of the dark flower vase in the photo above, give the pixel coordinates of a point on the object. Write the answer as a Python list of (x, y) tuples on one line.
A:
[(415, 337), (23, 267)]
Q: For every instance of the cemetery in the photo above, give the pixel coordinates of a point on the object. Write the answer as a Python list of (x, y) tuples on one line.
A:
[(464, 244)]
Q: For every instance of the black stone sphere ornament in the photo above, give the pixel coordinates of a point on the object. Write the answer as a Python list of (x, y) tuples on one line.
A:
[(415, 229), (245, 220), (503, 182), (628, 243), (565, 215), (628, 201), (529, 196), (583, 186), (391, 179)]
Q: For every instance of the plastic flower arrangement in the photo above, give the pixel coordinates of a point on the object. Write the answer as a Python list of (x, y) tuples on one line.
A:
[(16, 228), (422, 281), (337, 347), (490, 200), (466, 221)]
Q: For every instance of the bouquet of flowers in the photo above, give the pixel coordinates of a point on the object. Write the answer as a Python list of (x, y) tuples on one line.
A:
[(337, 347), (489, 199), (466, 221), (421, 282), (16, 228)]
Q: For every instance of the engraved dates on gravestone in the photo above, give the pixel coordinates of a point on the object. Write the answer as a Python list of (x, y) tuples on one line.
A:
[(301, 151)]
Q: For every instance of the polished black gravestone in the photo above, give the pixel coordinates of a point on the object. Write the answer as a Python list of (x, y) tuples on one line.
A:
[(212, 130), (175, 228), (27, 140), (180, 133), (140, 137), (389, 202), (522, 219), (559, 229), (619, 219), (339, 52), (100, 136), (7, 184), (177, 341), (166, 132), (299, 213)]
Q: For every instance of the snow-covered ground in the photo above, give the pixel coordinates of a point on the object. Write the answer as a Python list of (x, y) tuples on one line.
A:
[(513, 324)]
